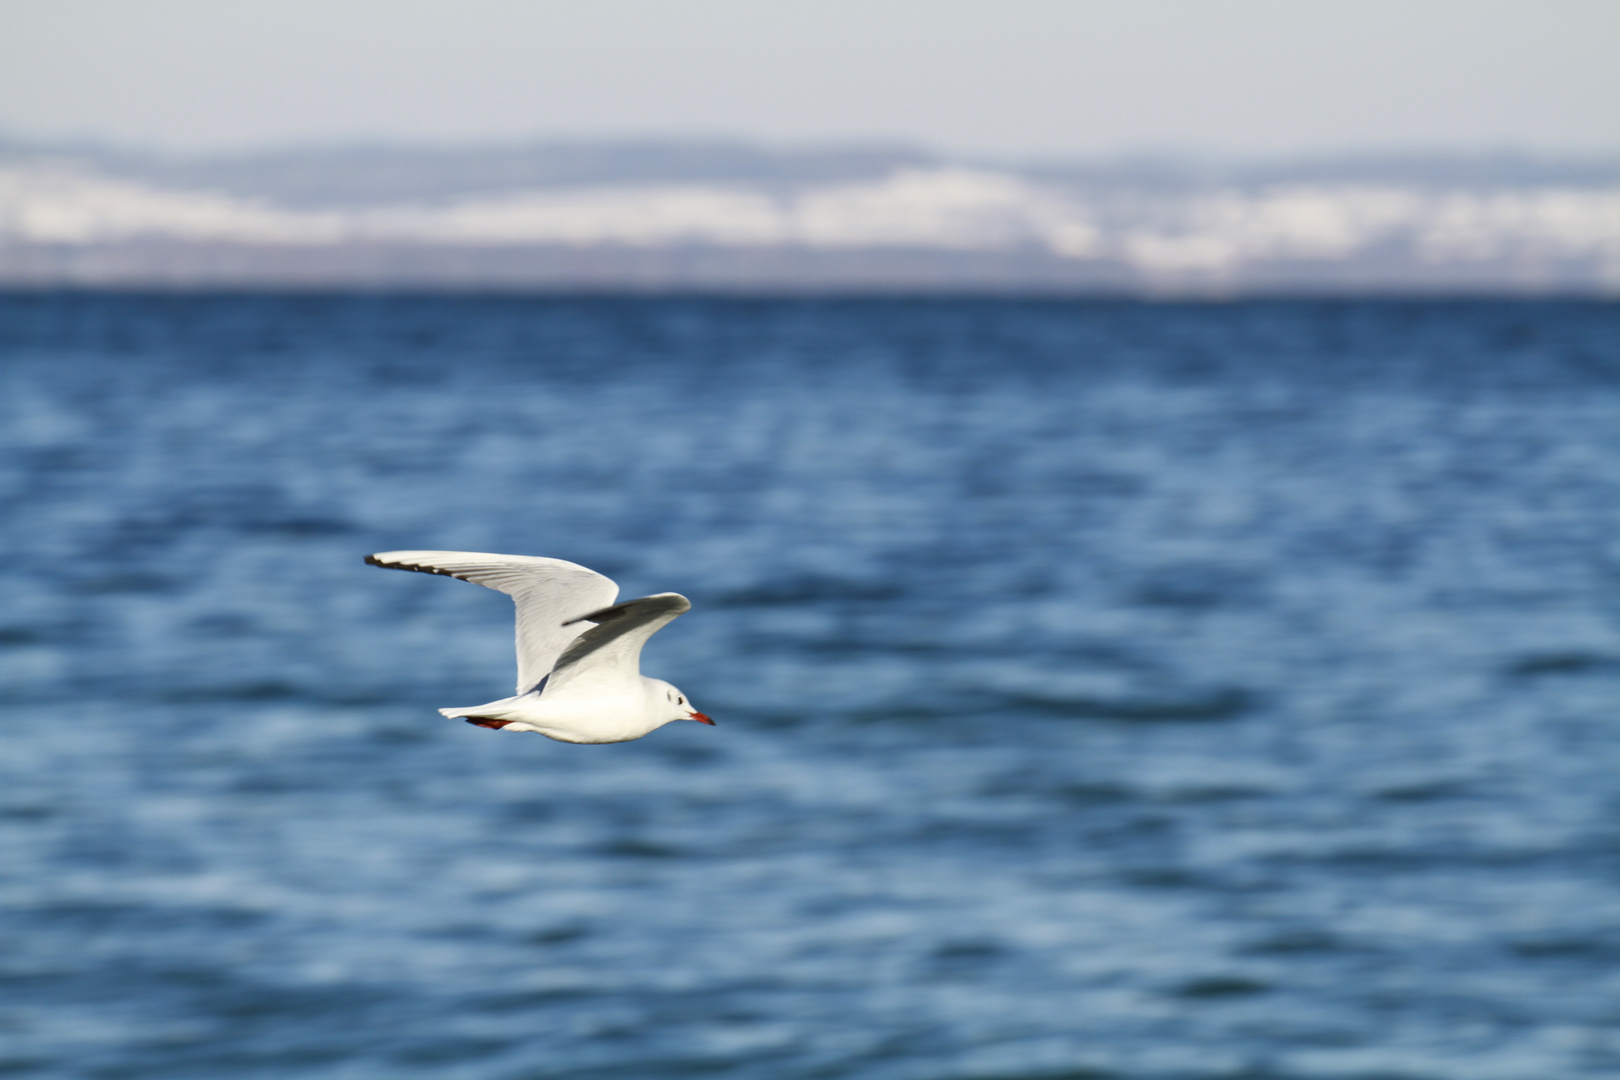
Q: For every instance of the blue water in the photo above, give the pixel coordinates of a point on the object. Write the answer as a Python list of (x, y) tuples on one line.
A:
[(1105, 691)]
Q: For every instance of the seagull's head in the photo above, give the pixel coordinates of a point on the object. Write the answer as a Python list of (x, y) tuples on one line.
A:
[(679, 707)]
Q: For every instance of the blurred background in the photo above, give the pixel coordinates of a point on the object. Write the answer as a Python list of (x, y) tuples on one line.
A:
[(1147, 475)]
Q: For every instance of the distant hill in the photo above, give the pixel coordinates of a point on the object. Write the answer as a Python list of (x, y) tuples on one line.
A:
[(735, 217)]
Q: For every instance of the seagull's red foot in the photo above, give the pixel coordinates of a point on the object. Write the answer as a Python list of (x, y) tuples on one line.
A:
[(486, 721)]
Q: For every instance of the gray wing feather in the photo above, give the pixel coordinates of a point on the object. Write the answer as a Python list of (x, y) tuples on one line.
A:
[(611, 649)]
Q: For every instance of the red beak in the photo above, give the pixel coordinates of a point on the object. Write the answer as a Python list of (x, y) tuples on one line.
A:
[(700, 718)]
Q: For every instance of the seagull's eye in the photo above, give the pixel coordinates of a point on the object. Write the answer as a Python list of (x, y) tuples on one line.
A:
[(680, 701)]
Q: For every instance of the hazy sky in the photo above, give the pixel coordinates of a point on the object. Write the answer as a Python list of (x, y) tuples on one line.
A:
[(1006, 77)]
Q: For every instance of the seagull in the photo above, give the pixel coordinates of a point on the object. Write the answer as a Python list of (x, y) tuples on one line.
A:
[(578, 653)]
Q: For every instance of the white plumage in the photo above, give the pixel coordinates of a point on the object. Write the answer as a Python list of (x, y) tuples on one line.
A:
[(578, 653)]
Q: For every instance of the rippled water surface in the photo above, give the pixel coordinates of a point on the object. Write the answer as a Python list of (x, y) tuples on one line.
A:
[(1118, 692)]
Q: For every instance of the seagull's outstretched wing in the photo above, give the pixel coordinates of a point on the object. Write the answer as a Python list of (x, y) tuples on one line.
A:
[(610, 651), (551, 597)]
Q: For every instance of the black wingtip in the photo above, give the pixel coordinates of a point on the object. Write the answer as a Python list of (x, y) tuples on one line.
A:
[(372, 560)]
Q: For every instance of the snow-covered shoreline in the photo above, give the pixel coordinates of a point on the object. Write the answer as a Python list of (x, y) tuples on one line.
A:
[(66, 220)]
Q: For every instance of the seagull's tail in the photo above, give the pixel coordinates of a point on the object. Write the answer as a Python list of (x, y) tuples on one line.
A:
[(469, 714)]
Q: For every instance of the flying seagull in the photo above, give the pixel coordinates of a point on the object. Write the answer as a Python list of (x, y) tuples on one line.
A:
[(578, 653)]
